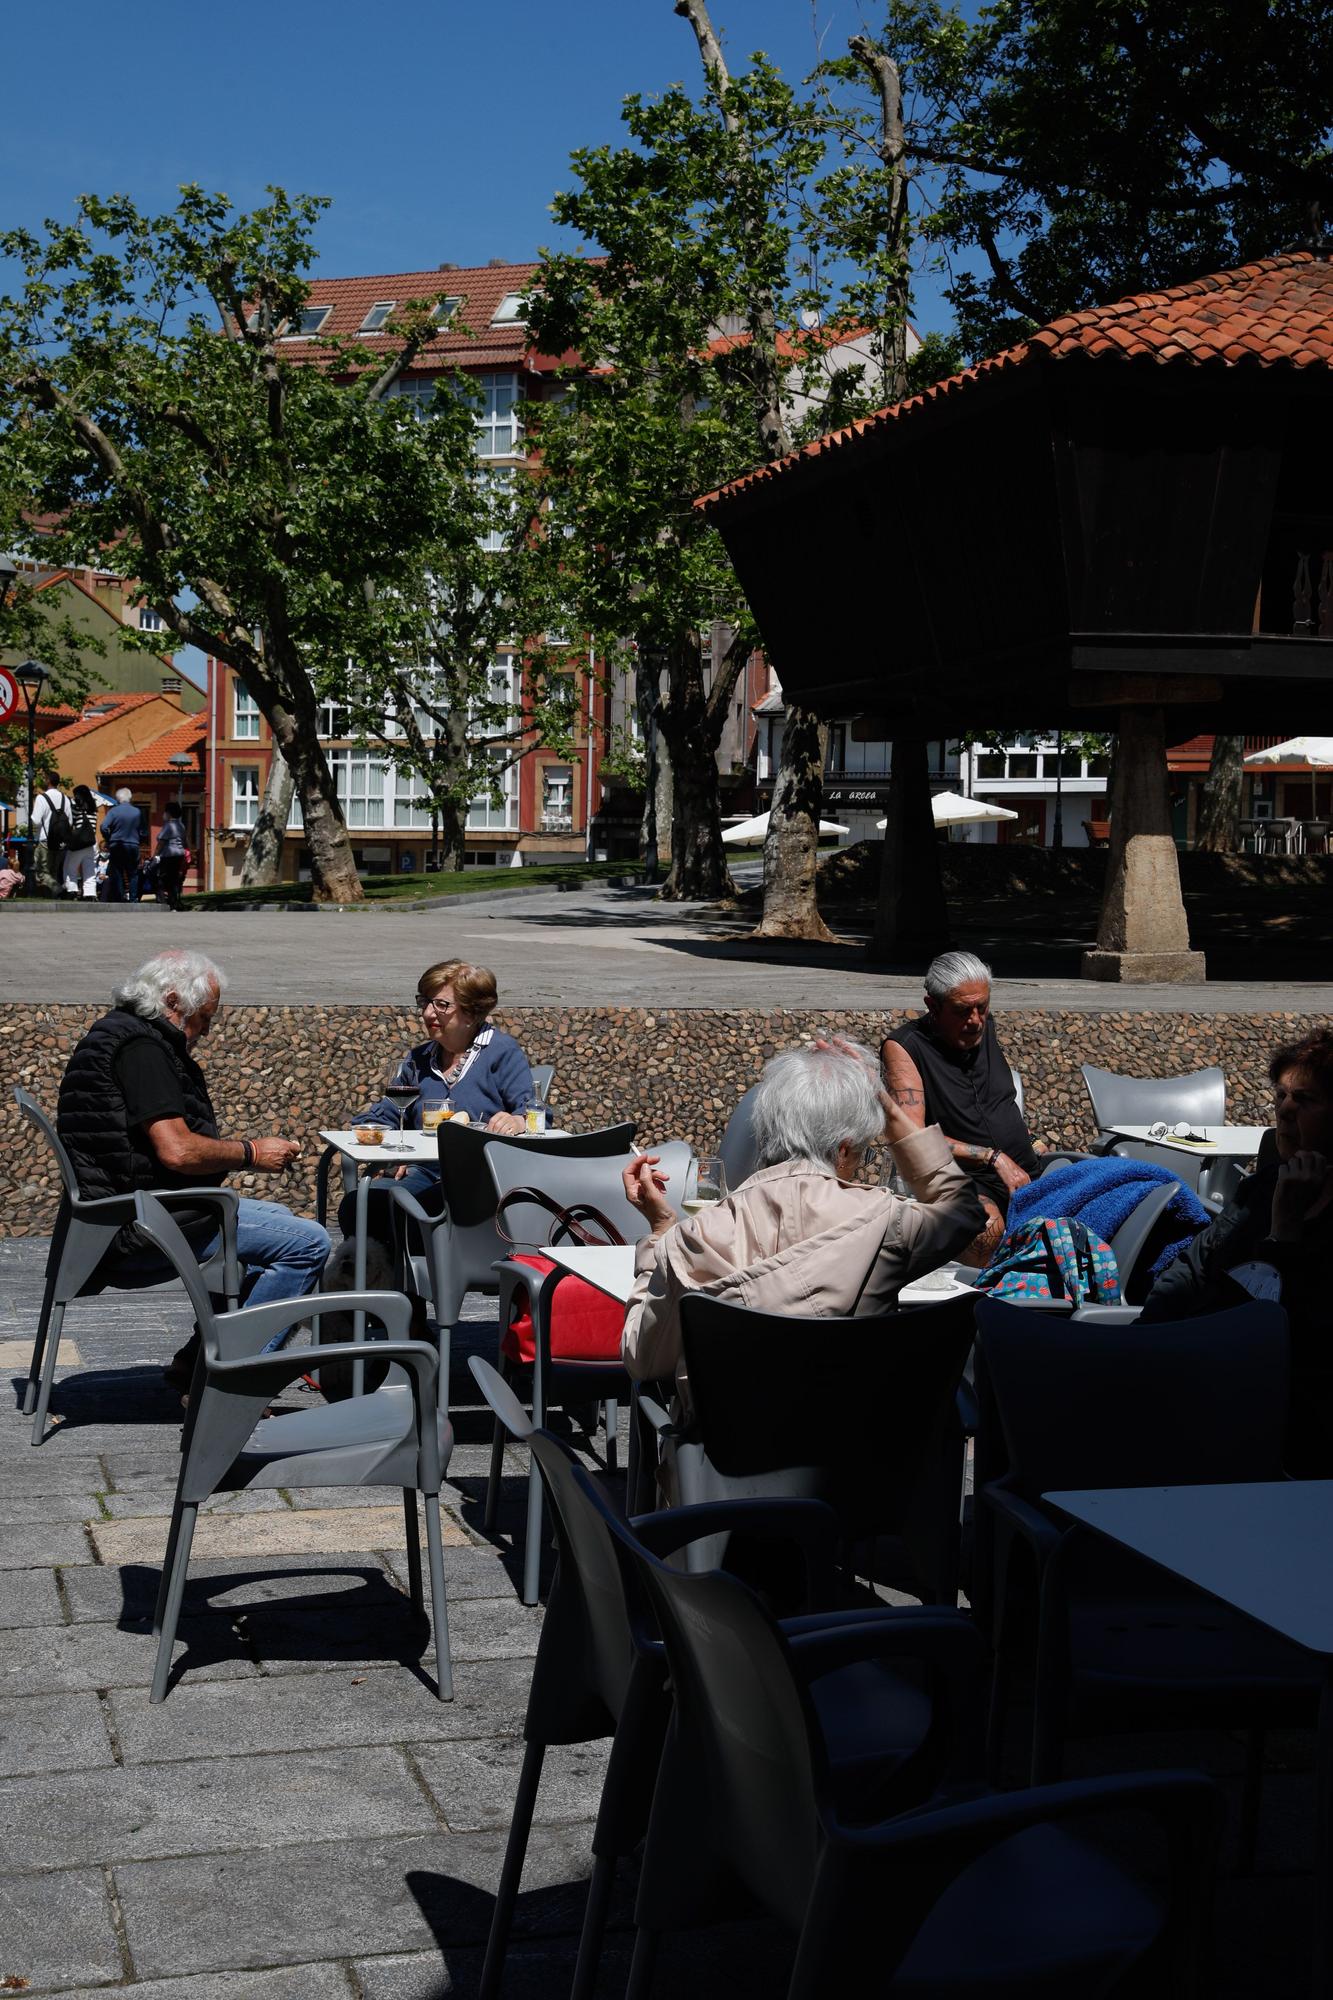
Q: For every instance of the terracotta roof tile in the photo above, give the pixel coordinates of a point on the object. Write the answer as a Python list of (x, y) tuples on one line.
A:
[(1276, 313), (108, 707), (150, 760), (471, 341)]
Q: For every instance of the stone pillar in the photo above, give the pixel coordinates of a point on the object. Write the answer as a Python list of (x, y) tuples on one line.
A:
[(911, 917), (1142, 935)]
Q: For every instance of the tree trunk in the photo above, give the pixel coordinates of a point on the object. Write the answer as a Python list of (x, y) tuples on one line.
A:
[(791, 849), (691, 727), (1219, 808), (333, 871), (664, 802), (912, 917), (453, 827), (262, 866)]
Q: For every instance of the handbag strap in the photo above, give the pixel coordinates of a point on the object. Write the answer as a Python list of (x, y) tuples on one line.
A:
[(575, 1222)]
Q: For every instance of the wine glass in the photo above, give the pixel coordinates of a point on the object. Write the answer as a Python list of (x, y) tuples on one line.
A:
[(404, 1095), (705, 1182)]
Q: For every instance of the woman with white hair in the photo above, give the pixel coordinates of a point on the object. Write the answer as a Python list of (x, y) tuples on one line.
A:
[(801, 1236)]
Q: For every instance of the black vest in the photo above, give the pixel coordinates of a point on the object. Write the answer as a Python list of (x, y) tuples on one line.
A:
[(108, 1154), (970, 1096)]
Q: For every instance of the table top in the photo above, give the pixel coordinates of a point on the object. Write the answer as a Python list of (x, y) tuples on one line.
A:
[(1258, 1547), (1239, 1142), (608, 1266), (422, 1147), (933, 1287)]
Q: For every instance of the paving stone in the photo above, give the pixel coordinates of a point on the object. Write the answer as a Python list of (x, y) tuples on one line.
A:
[(295, 1982), (22, 1509), (148, 1810), (128, 1593), (57, 1930), (18, 1353), (474, 1783), (290, 1531), (470, 1572), (29, 1597), (290, 1638), (52, 1732), (33, 1543), (156, 1502), (717, 1964), (27, 1471), (390, 1895), (102, 1656), (321, 1711)]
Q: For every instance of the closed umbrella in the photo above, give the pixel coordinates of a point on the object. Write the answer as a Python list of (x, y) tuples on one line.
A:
[(751, 831), (952, 809)]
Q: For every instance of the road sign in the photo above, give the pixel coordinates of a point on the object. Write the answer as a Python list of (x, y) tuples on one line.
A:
[(9, 694)]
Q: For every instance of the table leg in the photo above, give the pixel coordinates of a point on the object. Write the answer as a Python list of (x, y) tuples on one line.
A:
[(359, 1278), (1322, 1984)]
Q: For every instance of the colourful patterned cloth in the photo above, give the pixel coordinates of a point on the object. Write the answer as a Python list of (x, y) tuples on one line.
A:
[(1103, 1193), (1052, 1257)]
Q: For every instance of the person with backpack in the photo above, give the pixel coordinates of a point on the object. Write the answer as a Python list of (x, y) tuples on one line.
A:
[(122, 833), (49, 827), (79, 874), (173, 858)]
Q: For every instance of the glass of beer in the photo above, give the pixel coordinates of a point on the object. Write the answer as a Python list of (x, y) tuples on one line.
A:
[(436, 1114), (705, 1182)]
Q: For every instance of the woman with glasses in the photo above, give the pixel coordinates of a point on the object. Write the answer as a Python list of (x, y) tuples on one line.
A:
[(466, 1059)]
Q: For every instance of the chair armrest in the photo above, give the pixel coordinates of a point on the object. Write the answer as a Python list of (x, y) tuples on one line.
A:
[(808, 1524), (1178, 1800), (654, 1415), (418, 1357), (395, 1192), (943, 1640), (1036, 1528), (224, 1198), (241, 1334)]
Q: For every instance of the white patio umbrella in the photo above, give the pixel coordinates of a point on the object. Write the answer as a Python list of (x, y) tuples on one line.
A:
[(1316, 751), (751, 831), (952, 809)]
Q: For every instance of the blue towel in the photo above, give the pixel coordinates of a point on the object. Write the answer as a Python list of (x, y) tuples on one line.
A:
[(1103, 1193)]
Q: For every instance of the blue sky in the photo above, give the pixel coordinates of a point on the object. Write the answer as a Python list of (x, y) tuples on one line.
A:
[(439, 133)]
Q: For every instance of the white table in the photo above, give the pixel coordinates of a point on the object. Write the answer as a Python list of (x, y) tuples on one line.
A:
[(933, 1287), (1260, 1548), (1216, 1142)]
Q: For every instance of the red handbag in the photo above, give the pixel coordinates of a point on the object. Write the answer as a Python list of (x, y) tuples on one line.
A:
[(585, 1324)]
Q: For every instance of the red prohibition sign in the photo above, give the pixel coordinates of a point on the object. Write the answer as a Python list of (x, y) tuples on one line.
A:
[(9, 694)]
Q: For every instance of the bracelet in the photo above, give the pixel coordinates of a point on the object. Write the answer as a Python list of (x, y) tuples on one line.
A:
[(247, 1153), (993, 1156)]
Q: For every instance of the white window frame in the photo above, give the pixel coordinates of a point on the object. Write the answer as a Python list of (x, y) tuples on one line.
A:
[(245, 715), (509, 311), (244, 795), (557, 779), (299, 330), (374, 320), (499, 426), (360, 777), (150, 620)]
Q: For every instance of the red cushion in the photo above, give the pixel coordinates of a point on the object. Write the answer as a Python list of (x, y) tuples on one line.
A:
[(585, 1324)]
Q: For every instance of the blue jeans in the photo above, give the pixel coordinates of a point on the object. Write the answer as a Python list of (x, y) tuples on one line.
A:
[(282, 1256), (123, 872), (422, 1183)]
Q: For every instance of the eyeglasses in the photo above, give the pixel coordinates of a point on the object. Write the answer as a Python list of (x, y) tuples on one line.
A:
[(436, 1006)]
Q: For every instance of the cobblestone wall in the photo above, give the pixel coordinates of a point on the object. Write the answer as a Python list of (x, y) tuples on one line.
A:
[(678, 1071)]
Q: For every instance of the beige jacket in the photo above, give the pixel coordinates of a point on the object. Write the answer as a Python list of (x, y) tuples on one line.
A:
[(795, 1239)]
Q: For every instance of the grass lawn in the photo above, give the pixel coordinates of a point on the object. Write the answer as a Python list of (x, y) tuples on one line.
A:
[(407, 890)]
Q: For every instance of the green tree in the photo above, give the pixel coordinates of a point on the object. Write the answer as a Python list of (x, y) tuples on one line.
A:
[(148, 403)]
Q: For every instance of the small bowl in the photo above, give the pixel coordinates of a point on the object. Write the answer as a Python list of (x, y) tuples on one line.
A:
[(369, 1135)]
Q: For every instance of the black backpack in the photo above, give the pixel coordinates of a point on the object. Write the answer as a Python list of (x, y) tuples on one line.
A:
[(82, 828), (57, 826)]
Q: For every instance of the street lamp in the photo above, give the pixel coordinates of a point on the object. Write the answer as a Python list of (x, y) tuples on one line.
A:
[(180, 762), (32, 677)]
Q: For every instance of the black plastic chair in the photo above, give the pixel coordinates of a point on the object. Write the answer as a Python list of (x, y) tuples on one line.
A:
[(861, 1413), (565, 1179), (81, 1239), (396, 1437), (1119, 1644), (600, 1671), (992, 1895)]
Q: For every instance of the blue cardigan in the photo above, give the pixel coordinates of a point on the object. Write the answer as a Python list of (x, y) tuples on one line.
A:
[(498, 1079)]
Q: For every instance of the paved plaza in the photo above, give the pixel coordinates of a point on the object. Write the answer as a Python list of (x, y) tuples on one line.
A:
[(592, 946)]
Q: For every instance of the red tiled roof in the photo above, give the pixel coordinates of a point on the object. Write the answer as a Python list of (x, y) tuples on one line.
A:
[(108, 708), (1276, 313), (151, 760), (480, 288)]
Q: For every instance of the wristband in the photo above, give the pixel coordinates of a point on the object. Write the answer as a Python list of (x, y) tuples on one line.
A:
[(993, 1156), (247, 1152)]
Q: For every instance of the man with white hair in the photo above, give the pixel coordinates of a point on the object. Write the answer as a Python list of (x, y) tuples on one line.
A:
[(122, 833), (134, 1112), (947, 1068)]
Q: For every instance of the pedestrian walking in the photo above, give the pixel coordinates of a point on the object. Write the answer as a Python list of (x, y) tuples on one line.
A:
[(122, 833), (79, 871), (49, 827), (173, 857)]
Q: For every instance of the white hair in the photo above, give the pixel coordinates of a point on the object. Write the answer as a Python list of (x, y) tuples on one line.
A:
[(808, 1101), (953, 969), (123, 795), (191, 977)]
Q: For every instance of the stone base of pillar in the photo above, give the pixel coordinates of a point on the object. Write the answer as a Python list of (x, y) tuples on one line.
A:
[(1145, 968)]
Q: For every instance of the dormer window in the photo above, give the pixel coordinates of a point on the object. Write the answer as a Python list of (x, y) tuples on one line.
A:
[(377, 315), (509, 312), (445, 310)]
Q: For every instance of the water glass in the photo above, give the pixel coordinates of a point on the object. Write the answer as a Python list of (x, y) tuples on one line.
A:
[(705, 1182)]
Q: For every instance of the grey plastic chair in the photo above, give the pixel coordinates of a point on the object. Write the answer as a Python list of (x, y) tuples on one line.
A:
[(399, 1436), (455, 1252), (543, 1076), (737, 1148), (995, 1893), (1198, 1099), (84, 1233), (565, 1180)]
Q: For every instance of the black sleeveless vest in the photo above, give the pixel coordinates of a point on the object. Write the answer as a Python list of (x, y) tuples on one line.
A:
[(109, 1156), (970, 1096)]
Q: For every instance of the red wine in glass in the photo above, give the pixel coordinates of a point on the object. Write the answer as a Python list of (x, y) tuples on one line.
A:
[(404, 1095)]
